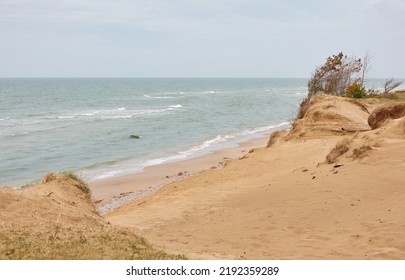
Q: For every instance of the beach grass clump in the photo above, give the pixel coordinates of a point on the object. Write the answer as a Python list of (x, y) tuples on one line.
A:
[(341, 148), (48, 178), (274, 138), (76, 181), (361, 152), (79, 183)]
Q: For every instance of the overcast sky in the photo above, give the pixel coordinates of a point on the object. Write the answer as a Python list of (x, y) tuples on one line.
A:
[(196, 38)]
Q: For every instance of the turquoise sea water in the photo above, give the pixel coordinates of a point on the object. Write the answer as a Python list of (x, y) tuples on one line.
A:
[(83, 125)]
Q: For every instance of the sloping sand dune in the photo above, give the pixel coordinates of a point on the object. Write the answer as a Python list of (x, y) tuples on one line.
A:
[(57, 220), (286, 201)]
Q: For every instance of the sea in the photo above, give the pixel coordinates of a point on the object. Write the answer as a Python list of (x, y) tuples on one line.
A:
[(84, 125)]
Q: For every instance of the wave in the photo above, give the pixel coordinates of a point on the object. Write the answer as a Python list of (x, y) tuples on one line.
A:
[(94, 114), (97, 172), (206, 144), (264, 129), (16, 134), (158, 97), (125, 167), (176, 106), (240, 135), (172, 93), (24, 125)]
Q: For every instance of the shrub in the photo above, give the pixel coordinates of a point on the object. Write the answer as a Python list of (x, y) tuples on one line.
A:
[(338, 72), (356, 90)]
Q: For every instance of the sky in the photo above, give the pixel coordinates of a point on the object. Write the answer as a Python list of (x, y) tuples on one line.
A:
[(197, 38)]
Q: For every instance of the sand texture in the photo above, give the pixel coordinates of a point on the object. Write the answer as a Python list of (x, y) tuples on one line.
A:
[(288, 201)]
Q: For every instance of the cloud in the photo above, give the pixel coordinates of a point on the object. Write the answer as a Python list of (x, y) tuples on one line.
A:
[(221, 35)]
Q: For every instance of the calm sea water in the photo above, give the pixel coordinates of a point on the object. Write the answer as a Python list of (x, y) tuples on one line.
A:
[(84, 125)]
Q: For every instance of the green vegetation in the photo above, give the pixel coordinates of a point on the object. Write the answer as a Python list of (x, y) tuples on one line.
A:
[(356, 90)]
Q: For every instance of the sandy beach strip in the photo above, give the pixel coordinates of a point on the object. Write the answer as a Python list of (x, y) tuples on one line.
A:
[(111, 193)]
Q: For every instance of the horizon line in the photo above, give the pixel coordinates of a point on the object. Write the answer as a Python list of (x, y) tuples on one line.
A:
[(151, 77), (143, 77)]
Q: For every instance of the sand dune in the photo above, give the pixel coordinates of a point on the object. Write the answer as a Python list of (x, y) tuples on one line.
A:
[(57, 220), (286, 201)]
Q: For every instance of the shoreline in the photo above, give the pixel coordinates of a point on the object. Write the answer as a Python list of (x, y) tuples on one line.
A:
[(329, 188), (113, 192)]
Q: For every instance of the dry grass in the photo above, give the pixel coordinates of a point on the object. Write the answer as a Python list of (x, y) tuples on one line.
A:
[(304, 105), (401, 95), (275, 138), (74, 180), (341, 148), (78, 183), (48, 178), (381, 99), (76, 243), (57, 220), (361, 152)]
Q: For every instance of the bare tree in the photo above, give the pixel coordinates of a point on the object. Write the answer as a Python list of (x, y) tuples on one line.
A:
[(390, 85), (366, 67)]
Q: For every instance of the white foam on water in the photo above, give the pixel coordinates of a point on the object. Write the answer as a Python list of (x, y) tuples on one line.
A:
[(176, 106), (158, 97), (248, 132), (131, 166)]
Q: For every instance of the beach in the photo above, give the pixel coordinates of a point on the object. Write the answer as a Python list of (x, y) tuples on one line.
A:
[(331, 187), (114, 192), (287, 201)]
